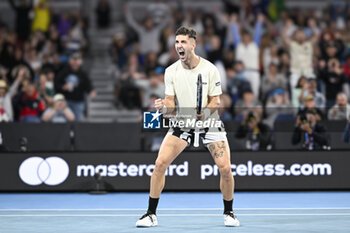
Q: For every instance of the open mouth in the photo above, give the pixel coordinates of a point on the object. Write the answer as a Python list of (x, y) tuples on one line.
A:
[(181, 53)]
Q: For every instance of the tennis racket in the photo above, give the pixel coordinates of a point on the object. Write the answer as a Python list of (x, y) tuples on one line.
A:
[(199, 108)]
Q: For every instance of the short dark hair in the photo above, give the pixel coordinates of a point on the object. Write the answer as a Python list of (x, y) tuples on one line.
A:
[(186, 31)]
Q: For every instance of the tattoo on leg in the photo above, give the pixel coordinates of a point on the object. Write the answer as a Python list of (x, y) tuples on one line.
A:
[(211, 148), (218, 154), (222, 146)]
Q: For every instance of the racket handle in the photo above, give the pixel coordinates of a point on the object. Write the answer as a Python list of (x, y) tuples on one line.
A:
[(196, 138)]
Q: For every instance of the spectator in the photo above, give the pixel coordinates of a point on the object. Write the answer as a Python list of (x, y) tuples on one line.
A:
[(59, 112), (271, 81), (103, 16), (277, 103), (270, 56), (310, 88), (258, 134), (341, 110), (127, 94), (225, 108), (346, 70), (45, 89), (148, 33), (301, 86), (6, 110), (74, 84), (310, 105), (29, 104), (247, 104), (301, 51), (309, 132), (333, 76), (247, 51), (236, 83), (153, 86), (118, 50), (41, 20), (63, 24), (23, 21)]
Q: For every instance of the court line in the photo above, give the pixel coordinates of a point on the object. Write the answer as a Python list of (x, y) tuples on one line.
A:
[(185, 209), (162, 215)]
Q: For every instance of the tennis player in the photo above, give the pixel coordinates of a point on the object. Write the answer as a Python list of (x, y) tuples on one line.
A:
[(180, 86)]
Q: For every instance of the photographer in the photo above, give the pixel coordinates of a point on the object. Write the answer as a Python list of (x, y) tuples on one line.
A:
[(308, 131), (258, 134)]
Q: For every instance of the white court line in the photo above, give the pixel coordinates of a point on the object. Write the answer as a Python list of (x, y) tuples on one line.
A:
[(175, 209), (161, 215)]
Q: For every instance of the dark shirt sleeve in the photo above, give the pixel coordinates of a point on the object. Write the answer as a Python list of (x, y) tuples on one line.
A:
[(320, 135), (296, 137), (265, 136)]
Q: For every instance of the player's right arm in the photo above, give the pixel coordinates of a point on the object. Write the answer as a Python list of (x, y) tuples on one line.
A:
[(166, 105)]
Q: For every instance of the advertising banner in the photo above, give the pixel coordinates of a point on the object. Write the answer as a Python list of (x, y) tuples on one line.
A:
[(191, 171)]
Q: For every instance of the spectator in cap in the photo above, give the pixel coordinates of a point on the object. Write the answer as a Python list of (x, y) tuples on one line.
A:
[(341, 110), (59, 112), (74, 83)]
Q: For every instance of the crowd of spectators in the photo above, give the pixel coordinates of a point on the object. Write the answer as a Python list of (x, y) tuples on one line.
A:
[(41, 78), (274, 62)]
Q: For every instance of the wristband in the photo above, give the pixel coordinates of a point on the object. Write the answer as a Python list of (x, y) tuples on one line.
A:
[(164, 109), (206, 113)]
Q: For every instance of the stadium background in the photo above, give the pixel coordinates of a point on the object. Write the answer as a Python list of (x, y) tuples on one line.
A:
[(127, 74)]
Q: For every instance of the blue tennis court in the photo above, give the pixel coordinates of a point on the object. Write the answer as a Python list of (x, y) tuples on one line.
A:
[(186, 212)]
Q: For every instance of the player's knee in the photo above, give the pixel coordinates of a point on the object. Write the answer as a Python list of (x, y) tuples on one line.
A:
[(161, 166), (226, 172)]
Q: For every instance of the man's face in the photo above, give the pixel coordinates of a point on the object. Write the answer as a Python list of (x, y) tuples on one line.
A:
[(310, 103), (331, 51), (184, 47), (311, 118), (30, 89), (75, 63), (300, 36), (273, 69), (312, 86), (246, 39), (341, 100)]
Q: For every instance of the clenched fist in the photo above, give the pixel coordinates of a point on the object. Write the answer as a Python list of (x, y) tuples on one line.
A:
[(159, 104)]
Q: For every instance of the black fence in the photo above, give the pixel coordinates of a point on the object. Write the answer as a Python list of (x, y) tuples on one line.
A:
[(124, 137)]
